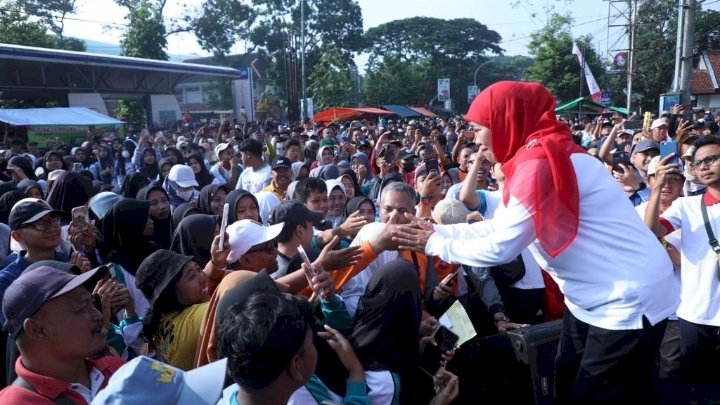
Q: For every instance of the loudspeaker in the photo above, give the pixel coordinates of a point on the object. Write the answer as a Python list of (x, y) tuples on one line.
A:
[(535, 350)]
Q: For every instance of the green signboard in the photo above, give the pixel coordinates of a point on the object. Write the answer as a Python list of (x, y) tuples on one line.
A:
[(70, 134)]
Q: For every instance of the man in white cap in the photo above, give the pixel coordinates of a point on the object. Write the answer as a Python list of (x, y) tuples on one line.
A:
[(659, 129), (227, 168)]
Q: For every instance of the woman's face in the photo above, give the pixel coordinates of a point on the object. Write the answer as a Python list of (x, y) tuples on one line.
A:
[(191, 287), (165, 169), (159, 205), (349, 187), (366, 210), (53, 163), (217, 202), (327, 156), (149, 157), (337, 201), (303, 173), (246, 209), (195, 166), (116, 145), (80, 155), (171, 156), (34, 193), (446, 183)]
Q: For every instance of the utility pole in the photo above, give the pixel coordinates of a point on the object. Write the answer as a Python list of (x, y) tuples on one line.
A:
[(632, 4), (687, 57), (679, 45), (627, 10)]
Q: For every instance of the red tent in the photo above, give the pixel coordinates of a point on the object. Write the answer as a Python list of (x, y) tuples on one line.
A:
[(424, 111), (346, 114)]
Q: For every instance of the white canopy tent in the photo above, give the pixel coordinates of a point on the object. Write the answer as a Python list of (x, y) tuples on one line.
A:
[(55, 116)]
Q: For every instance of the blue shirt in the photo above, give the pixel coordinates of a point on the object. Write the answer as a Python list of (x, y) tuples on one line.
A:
[(16, 266)]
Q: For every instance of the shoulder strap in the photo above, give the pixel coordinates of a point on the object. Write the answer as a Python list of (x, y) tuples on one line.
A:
[(714, 245), (62, 399)]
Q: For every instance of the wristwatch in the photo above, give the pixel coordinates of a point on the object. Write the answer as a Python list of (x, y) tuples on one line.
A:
[(425, 200)]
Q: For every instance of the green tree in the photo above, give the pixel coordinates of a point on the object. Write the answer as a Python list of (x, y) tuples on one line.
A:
[(52, 13), (555, 66), (394, 81), (16, 28), (146, 34), (220, 24), (332, 83)]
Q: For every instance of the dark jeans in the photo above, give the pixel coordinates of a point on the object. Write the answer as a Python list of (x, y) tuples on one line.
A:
[(700, 348), (669, 357), (596, 365)]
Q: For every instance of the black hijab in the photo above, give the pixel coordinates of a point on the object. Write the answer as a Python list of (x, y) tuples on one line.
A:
[(182, 211), (57, 155), (122, 229), (163, 228), (203, 178), (353, 177), (180, 158), (7, 201), (194, 236), (354, 204), (233, 198), (25, 164), (26, 185), (206, 196), (132, 184), (69, 191), (152, 171), (7, 186)]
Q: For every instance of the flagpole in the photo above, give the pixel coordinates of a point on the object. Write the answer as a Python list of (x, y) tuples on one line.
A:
[(582, 83)]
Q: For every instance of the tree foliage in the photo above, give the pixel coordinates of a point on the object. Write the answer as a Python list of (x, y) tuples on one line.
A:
[(16, 27), (52, 13), (395, 81), (555, 66), (146, 34), (333, 82)]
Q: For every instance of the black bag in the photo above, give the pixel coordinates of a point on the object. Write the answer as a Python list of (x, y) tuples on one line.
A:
[(509, 273)]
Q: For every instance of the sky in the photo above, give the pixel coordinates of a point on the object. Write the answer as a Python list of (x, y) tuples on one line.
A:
[(514, 20)]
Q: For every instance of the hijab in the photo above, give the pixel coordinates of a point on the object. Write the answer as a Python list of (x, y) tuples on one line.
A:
[(152, 171), (194, 236), (26, 185), (7, 186), (176, 151), (337, 220), (206, 196), (7, 201), (183, 211), (70, 190), (233, 198), (163, 228), (364, 160), (25, 164), (296, 167), (353, 178), (290, 193), (354, 204), (203, 178), (160, 178), (132, 184), (122, 229), (534, 149)]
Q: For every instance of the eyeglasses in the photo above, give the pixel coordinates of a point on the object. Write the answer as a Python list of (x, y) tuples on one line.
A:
[(708, 161), (44, 224), (266, 247)]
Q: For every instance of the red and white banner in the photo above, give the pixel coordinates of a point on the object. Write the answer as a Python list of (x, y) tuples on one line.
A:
[(592, 84)]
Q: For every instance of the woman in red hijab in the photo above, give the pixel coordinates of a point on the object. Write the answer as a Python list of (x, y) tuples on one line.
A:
[(562, 204)]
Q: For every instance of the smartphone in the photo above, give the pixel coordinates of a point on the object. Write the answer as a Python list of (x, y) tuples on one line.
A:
[(311, 270), (687, 115), (445, 339), (451, 279), (223, 224), (77, 167), (429, 147), (668, 147), (431, 356), (80, 216), (634, 125), (431, 165), (469, 134)]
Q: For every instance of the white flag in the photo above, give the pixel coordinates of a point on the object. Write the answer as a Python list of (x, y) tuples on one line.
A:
[(592, 84)]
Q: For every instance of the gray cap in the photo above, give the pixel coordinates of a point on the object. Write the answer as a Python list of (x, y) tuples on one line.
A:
[(644, 145)]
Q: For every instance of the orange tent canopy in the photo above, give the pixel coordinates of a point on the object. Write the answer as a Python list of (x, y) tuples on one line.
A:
[(345, 114), (424, 111)]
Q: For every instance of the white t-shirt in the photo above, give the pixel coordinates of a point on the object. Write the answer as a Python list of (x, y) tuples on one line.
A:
[(700, 287), (614, 273), (254, 181)]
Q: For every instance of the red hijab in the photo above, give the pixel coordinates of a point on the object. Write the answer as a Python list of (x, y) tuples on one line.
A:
[(534, 149)]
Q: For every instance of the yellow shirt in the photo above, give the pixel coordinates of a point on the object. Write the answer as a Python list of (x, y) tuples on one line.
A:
[(177, 336), (271, 188)]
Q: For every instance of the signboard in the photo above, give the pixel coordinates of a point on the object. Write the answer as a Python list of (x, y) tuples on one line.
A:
[(443, 90), (472, 93), (70, 134), (605, 97)]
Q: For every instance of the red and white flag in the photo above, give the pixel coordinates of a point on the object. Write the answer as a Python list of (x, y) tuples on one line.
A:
[(592, 84)]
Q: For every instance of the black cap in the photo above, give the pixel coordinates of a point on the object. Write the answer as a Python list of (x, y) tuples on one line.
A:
[(406, 154), (28, 211), (282, 162), (363, 143), (293, 213)]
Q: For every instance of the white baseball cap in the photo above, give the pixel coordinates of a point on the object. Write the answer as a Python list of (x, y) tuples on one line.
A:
[(221, 147), (246, 233), (55, 174), (658, 123), (183, 176)]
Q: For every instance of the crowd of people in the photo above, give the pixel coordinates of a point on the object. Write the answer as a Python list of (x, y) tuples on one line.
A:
[(118, 284)]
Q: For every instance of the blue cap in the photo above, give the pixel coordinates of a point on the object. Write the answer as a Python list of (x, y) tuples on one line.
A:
[(145, 380)]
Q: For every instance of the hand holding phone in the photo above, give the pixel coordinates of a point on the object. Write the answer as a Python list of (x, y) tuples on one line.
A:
[(667, 148), (80, 217), (310, 271), (223, 224), (432, 165)]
